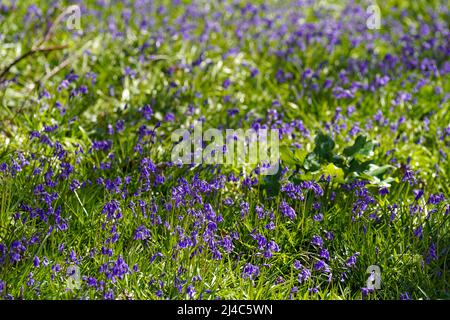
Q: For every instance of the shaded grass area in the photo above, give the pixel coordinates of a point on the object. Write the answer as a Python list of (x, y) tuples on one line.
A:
[(85, 151)]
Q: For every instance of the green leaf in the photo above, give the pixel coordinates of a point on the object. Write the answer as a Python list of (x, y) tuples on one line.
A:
[(311, 162), (361, 146), (271, 183), (375, 170), (324, 146), (336, 173), (287, 156), (300, 154), (358, 167)]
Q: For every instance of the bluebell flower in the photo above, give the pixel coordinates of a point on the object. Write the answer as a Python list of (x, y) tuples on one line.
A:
[(304, 275), (104, 145), (432, 253), (141, 233), (325, 254), (313, 290), (418, 232), (321, 266), (109, 295), (418, 193), (36, 261), (153, 257), (31, 280), (351, 262), (190, 290), (317, 241), (404, 296), (112, 210), (318, 217), (287, 211), (294, 290), (383, 191), (250, 271), (366, 291)]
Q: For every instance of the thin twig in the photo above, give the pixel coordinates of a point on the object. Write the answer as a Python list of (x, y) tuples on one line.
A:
[(62, 65), (49, 32), (29, 53)]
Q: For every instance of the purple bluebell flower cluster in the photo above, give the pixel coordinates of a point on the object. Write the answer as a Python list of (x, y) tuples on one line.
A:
[(87, 178)]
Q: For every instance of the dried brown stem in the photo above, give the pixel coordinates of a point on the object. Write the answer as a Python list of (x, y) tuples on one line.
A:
[(29, 53)]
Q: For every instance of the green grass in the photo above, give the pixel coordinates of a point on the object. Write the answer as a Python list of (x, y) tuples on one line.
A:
[(167, 80)]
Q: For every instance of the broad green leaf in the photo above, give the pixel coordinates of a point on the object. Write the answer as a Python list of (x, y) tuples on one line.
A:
[(361, 146), (324, 146), (336, 173), (287, 156), (375, 170), (311, 162)]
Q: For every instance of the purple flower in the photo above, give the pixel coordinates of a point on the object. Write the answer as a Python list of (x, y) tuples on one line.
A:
[(31, 280), (293, 291), (244, 208), (260, 212), (418, 232), (321, 265), (147, 112), (273, 246), (313, 290), (169, 117), (190, 290), (297, 265), (365, 292), (226, 83), (325, 254), (141, 233), (112, 210), (250, 271), (262, 241), (329, 235), (104, 145), (91, 282), (73, 257), (36, 261), (228, 202), (109, 295), (75, 184), (279, 280), (409, 176), (317, 241), (318, 217), (253, 72), (351, 262), (115, 271), (270, 226), (304, 275), (16, 251), (287, 211), (120, 125), (332, 196), (404, 296), (158, 254), (436, 198), (383, 191), (418, 193), (432, 253), (227, 244)]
